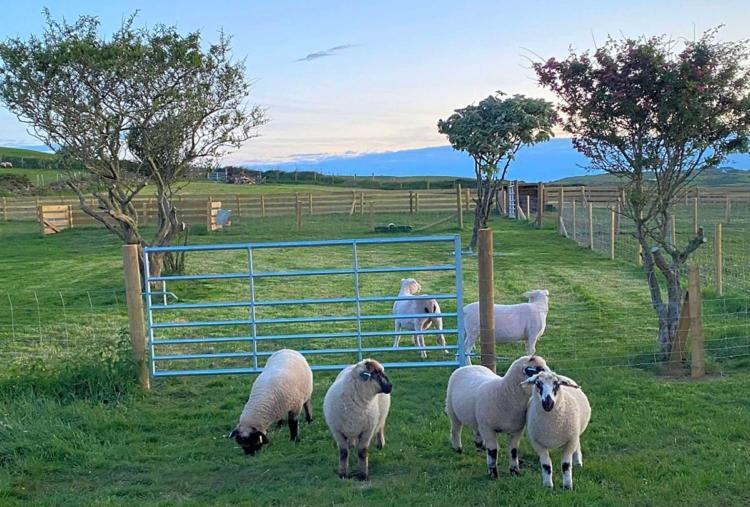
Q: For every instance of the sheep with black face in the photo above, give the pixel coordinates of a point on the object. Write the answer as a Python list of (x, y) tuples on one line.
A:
[(558, 414), (355, 408), (280, 393)]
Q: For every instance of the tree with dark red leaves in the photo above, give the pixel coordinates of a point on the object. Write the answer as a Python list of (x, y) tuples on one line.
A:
[(656, 113)]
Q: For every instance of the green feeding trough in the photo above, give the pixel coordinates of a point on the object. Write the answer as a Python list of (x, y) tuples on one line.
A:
[(393, 228)]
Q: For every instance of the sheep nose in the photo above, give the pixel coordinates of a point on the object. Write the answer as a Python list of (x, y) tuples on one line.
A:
[(386, 388), (548, 404)]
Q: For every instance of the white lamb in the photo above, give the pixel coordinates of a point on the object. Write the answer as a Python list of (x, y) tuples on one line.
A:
[(355, 408), (279, 393), (557, 418), (411, 287), (525, 321), (490, 404)]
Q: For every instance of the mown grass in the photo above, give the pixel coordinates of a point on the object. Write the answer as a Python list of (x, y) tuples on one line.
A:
[(75, 431)]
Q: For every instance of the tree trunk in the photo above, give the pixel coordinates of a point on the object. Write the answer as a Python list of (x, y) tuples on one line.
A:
[(485, 194)]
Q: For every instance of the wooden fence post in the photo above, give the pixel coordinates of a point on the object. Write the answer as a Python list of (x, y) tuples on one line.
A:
[(262, 205), (70, 216), (459, 207), (467, 201), (574, 221), (136, 322), (411, 202), (310, 203), (560, 204), (718, 261), (591, 226), (298, 215), (695, 215), (486, 300), (539, 204), (697, 353), (528, 207), (728, 211), (612, 234)]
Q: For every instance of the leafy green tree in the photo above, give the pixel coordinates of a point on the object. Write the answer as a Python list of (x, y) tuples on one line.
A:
[(656, 113), (492, 132), (137, 108)]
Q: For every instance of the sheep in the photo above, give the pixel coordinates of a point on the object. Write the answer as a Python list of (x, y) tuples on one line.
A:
[(557, 418), (490, 404), (410, 287), (279, 393), (525, 321), (355, 409)]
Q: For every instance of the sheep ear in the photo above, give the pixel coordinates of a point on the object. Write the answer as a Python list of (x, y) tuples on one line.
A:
[(569, 384), (545, 292), (529, 380), (233, 434), (264, 438)]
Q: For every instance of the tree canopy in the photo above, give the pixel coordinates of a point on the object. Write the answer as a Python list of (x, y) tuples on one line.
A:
[(492, 132)]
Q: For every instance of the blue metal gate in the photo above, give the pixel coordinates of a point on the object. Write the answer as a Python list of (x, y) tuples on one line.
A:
[(181, 331)]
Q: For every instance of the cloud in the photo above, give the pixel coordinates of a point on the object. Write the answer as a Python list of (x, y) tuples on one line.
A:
[(327, 52)]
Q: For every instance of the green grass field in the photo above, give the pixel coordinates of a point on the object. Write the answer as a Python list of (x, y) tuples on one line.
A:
[(74, 430)]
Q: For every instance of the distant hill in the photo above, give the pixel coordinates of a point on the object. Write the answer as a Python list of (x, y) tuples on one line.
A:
[(720, 177), (550, 161), (20, 152)]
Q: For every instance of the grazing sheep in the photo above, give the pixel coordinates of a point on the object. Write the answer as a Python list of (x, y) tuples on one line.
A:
[(525, 321), (355, 408), (279, 393), (490, 404), (411, 287), (557, 418)]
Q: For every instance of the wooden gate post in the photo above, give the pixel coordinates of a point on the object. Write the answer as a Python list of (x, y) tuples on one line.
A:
[(459, 207), (560, 204), (136, 322), (539, 204), (697, 352), (718, 261), (486, 300)]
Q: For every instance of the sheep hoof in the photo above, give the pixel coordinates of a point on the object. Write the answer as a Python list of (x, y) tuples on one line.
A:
[(567, 486), (361, 477), (515, 471), (480, 446), (493, 473), (459, 450)]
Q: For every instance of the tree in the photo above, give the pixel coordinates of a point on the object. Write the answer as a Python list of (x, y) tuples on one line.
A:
[(656, 114), (492, 132), (140, 107)]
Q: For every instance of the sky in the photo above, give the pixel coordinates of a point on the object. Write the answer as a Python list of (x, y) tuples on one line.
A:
[(340, 78)]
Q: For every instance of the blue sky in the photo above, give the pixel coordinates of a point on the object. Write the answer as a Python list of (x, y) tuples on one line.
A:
[(405, 64)]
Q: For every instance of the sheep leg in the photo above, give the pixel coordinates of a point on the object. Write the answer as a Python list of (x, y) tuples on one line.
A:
[(567, 468), (343, 460), (363, 473), (380, 438), (397, 338), (531, 342), (578, 456), (441, 336), (455, 432), (490, 442), (293, 419), (513, 440), (478, 442), (308, 411), (546, 463)]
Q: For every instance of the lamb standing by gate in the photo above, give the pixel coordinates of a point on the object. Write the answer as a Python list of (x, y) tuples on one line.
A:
[(411, 287)]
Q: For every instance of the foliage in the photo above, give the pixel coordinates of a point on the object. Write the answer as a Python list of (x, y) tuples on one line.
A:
[(138, 107), (656, 113), (492, 132), (15, 184)]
